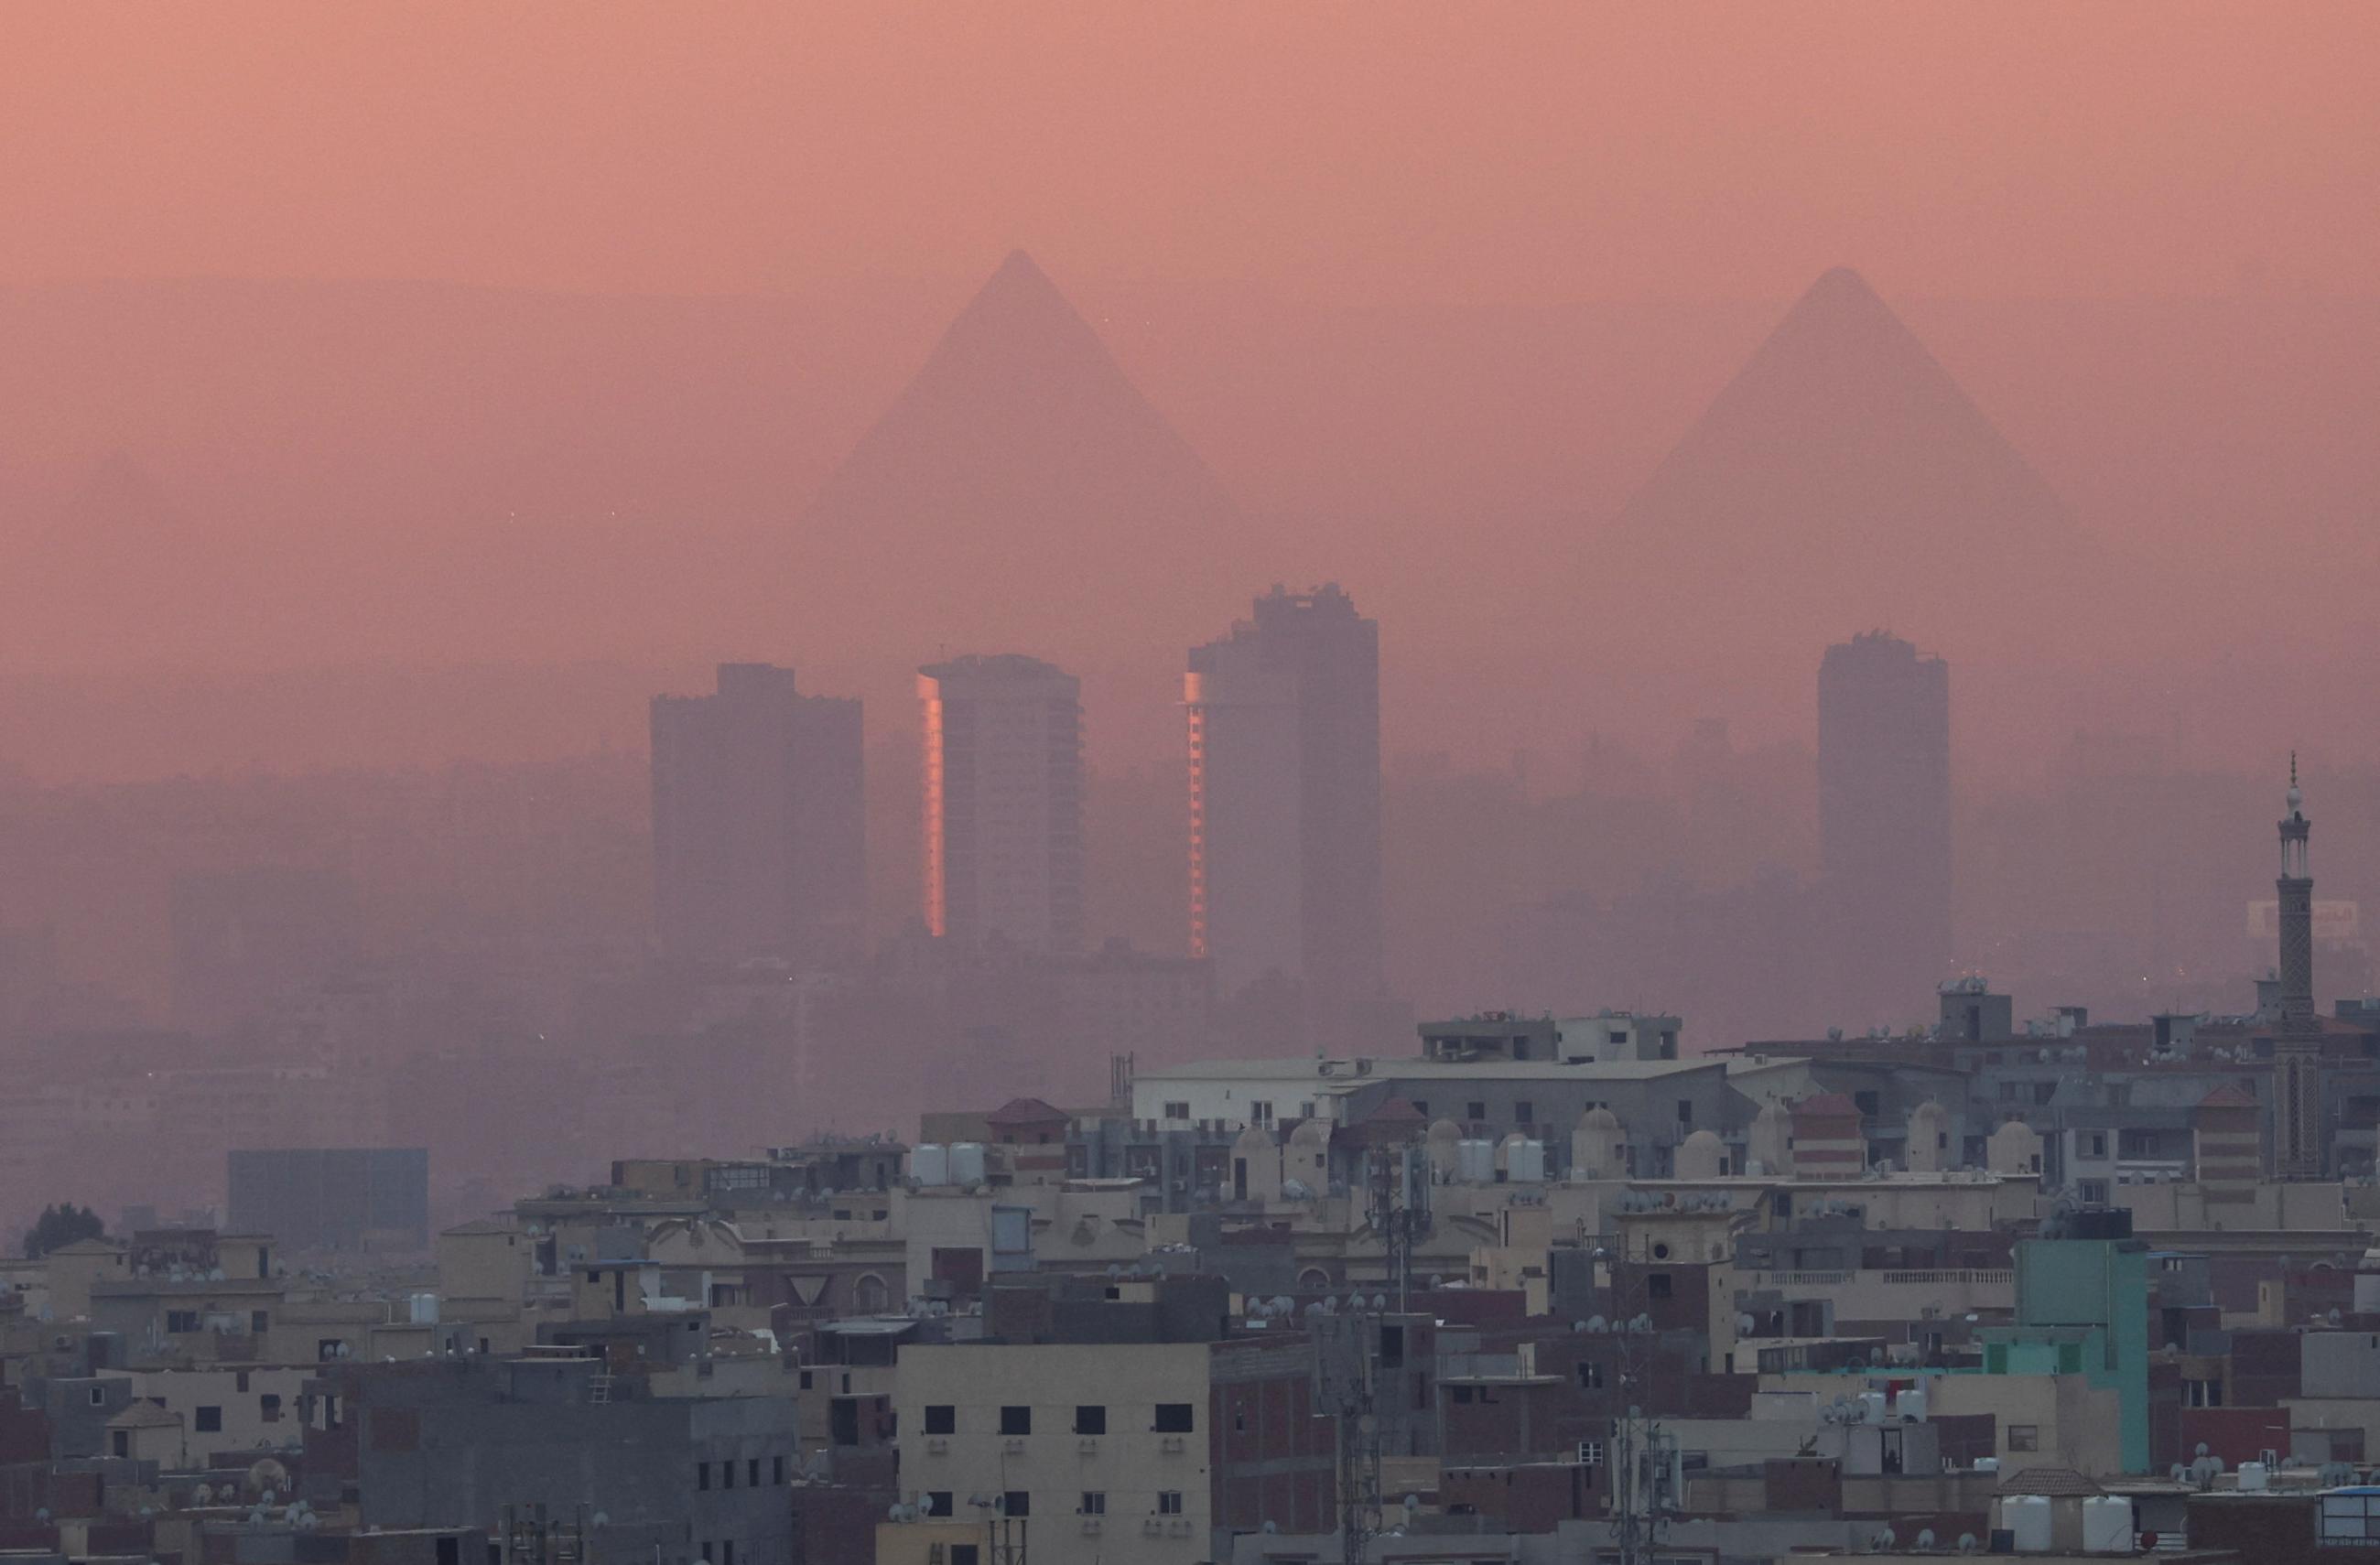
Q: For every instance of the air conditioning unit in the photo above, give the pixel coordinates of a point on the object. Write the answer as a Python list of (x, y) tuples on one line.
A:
[(1152, 1527), (937, 1444), (1014, 1444), (1090, 1525), (1170, 1443), (1088, 1445)]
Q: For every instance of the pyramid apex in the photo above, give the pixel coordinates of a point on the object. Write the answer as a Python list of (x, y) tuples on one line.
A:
[(1843, 283)]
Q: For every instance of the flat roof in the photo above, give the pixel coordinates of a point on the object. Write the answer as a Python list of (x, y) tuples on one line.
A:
[(1342, 1073)]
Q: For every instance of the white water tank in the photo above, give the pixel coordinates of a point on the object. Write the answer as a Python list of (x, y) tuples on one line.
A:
[(424, 1311), (1526, 1164), (2107, 1525), (1872, 1407), (929, 1163), (2253, 1475), (2026, 1517), (966, 1163), (1911, 1404), (2367, 1292), (1988, 1464), (1474, 1161)]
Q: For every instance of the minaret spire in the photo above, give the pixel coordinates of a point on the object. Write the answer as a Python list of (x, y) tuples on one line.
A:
[(2299, 1109)]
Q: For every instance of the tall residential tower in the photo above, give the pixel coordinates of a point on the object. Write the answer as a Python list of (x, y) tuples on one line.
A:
[(1284, 730), (759, 821), (1003, 776), (1884, 826)]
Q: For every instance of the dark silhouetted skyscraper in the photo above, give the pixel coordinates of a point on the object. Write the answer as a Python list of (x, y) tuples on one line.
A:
[(759, 821), (1284, 729), (1884, 825), (1003, 789)]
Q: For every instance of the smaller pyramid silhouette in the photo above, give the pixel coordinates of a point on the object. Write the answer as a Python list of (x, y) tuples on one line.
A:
[(1018, 485), (1843, 471)]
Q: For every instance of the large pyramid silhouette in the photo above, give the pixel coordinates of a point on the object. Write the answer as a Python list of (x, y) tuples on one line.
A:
[(1843, 479), (1019, 493)]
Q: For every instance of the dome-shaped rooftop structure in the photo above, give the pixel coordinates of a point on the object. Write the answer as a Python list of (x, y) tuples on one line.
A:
[(1702, 1156)]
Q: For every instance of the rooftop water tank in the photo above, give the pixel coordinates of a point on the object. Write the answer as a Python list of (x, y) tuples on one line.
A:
[(2107, 1525), (1526, 1164), (2026, 1517), (967, 1163), (1872, 1407), (929, 1163), (1911, 1404), (2253, 1475), (1474, 1161)]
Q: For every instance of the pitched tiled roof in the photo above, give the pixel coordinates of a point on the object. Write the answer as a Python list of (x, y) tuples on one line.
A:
[(2058, 1483), (1024, 1111)]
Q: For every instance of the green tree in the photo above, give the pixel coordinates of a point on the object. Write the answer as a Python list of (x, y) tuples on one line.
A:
[(59, 1225)]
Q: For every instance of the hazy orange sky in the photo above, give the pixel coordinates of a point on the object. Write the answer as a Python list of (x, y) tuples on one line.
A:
[(1454, 152)]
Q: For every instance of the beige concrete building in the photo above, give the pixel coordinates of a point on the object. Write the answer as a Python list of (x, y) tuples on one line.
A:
[(1102, 1448)]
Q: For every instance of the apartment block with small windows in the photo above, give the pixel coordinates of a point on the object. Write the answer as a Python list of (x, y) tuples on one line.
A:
[(1103, 1451)]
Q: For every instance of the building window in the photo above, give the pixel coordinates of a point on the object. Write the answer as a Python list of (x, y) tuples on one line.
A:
[(707, 1556), (1016, 1503), (942, 1418), (1461, 1395), (268, 1407), (1017, 1421), (1525, 1112), (2024, 1437), (1169, 1503), (938, 1503), (727, 1473), (181, 1320), (258, 1321), (807, 1377), (702, 1481), (777, 1470), (99, 1396), (210, 1421), (1091, 1418), (2202, 1393), (1657, 1285), (1178, 1110), (1172, 1418), (727, 1551), (1686, 1111), (752, 1473), (1590, 1374), (1421, 1106), (1095, 1503), (1476, 1111), (1590, 1453), (2096, 1145), (1260, 1111)]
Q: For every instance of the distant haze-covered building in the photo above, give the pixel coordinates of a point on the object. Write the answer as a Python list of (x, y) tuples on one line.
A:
[(244, 938), (759, 821), (350, 1198), (1884, 826), (1003, 803), (1284, 734)]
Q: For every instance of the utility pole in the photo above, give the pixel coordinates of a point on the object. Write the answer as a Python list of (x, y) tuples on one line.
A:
[(1397, 1194), (1642, 1455)]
